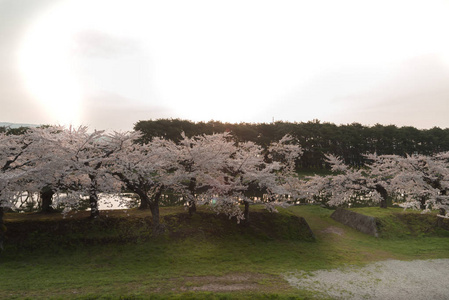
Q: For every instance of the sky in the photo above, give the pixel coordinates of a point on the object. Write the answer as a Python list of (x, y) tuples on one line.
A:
[(107, 64)]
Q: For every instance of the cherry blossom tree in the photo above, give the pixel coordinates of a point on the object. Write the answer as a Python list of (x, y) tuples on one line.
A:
[(68, 164), (145, 169), (381, 173), (63, 171), (207, 169), (270, 171), (202, 161), (421, 182), (26, 152), (441, 181), (49, 174), (21, 156), (346, 186), (10, 151), (416, 181)]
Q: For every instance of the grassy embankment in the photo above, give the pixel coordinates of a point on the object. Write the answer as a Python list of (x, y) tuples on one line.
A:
[(204, 256)]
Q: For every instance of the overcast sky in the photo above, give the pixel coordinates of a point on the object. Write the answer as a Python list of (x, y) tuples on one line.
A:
[(108, 64)]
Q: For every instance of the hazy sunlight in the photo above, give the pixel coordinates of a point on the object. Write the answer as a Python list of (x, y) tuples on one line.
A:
[(203, 60)]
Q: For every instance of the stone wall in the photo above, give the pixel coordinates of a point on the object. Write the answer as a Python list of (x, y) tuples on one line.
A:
[(362, 223)]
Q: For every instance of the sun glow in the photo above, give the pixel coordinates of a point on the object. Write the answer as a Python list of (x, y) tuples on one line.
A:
[(231, 61), (46, 68)]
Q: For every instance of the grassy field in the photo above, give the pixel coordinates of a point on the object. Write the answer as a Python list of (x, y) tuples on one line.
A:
[(200, 257)]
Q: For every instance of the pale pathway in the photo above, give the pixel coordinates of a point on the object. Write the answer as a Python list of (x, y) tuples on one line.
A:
[(391, 279)]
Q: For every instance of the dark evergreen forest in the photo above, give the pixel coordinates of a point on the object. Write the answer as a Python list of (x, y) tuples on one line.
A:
[(317, 138)]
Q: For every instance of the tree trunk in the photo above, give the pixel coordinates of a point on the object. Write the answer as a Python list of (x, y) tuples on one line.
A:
[(158, 228), (144, 202), (192, 203), (46, 197), (384, 194), (423, 202), (93, 197), (192, 207), (155, 216), (93, 201), (154, 208), (444, 193), (246, 213), (2, 229)]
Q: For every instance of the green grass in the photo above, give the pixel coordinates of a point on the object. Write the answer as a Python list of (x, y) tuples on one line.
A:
[(381, 212), (205, 250), (397, 223)]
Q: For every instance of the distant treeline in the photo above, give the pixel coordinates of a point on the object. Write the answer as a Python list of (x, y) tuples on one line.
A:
[(16, 130), (349, 141)]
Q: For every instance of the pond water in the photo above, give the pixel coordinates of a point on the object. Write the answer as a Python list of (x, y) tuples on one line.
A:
[(31, 202)]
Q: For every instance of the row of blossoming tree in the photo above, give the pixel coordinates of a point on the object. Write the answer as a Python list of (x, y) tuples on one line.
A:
[(66, 166), (416, 181)]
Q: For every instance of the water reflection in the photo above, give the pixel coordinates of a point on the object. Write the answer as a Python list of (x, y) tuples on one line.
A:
[(28, 202)]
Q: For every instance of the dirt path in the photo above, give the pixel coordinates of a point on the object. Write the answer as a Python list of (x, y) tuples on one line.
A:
[(391, 279)]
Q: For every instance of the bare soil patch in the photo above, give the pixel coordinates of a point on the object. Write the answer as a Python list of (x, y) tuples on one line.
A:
[(232, 282), (334, 230)]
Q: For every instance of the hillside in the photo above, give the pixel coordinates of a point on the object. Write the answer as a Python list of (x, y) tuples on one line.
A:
[(200, 256), (43, 232)]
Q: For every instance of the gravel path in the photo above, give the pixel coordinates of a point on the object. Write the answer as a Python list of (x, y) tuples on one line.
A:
[(391, 279)]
